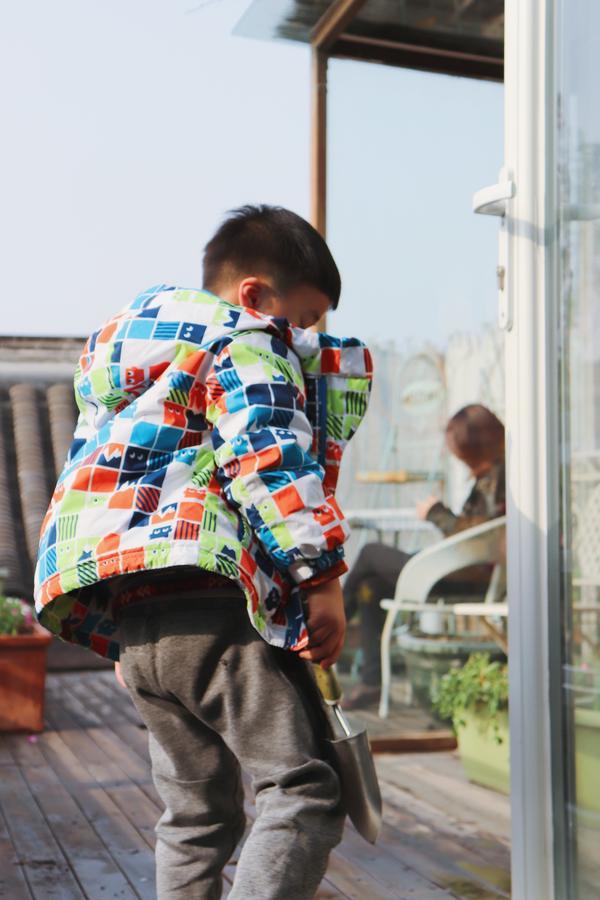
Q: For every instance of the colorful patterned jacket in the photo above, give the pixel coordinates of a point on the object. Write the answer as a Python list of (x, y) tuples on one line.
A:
[(209, 435)]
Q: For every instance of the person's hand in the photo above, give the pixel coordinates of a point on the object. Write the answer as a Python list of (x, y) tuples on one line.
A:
[(423, 507), (119, 675), (326, 623)]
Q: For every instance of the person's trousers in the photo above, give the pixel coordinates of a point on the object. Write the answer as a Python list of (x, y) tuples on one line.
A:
[(372, 577), (216, 697)]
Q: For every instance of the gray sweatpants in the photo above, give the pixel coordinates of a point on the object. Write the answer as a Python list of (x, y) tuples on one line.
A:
[(215, 696)]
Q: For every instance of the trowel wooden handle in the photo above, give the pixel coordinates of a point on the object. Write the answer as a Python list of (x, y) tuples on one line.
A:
[(328, 683)]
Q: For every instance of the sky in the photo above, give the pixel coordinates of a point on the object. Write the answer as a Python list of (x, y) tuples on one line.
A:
[(132, 126)]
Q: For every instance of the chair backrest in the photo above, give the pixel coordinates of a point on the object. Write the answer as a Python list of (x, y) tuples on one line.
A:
[(481, 544)]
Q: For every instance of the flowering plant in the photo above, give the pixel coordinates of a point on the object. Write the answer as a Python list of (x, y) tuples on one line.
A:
[(16, 616)]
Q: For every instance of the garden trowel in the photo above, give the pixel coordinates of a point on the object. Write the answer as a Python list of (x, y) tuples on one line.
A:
[(351, 757)]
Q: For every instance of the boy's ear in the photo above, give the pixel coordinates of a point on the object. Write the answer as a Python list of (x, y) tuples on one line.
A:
[(249, 292)]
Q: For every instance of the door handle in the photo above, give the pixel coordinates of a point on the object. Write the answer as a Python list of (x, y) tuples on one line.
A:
[(491, 201)]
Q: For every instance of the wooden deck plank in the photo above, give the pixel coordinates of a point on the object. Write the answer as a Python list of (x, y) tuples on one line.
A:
[(104, 693), (117, 710), (123, 701), (88, 778), (106, 685), (445, 862), (24, 750), (13, 885), (476, 856), (46, 869), (355, 882), (115, 751), (111, 744), (134, 804), (470, 844), (126, 846), (109, 701), (6, 757), (89, 731), (490, 810), (115, 707), (96, 870), (127, 740), (484, 849), (386, 868), (83, 732), (474, 864)]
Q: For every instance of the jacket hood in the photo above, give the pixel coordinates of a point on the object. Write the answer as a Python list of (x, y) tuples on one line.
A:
[(319, 353)]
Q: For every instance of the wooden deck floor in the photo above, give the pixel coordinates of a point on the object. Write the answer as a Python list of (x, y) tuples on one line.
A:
[(78, 807)]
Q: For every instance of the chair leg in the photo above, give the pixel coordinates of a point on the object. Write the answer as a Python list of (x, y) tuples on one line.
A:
[(386, 663), (357, 662)]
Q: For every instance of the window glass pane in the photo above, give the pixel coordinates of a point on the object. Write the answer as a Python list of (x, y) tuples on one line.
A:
[(406, 152), (578, 28)]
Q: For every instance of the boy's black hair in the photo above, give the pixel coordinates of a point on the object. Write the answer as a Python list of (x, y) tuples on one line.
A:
[(274, 241)]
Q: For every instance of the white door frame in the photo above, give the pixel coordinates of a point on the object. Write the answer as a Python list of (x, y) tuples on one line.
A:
[(532, 449)]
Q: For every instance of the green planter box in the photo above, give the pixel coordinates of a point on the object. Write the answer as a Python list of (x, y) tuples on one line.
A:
[(587, 763), (487, 762)]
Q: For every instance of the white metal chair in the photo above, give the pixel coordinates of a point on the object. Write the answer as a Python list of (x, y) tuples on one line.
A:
[(481, 544)]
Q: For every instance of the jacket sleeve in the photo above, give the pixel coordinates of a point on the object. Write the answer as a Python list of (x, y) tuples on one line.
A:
[(449, 523), (262, 439), (485, 501)]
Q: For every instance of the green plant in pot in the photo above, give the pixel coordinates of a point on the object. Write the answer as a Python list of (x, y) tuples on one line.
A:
[(430, 656), (23, 649), (475, 699)]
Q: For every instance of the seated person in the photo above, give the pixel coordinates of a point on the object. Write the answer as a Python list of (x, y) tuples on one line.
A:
[(476, 437)]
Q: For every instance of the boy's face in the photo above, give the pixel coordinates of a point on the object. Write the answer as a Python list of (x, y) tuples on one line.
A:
[(303, 305)]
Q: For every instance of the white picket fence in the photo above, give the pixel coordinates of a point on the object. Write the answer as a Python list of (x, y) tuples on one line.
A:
[(415, 390)]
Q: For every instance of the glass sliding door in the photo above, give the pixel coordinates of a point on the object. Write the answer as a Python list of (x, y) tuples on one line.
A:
[(551, 277), (577, 99), (527, 301)]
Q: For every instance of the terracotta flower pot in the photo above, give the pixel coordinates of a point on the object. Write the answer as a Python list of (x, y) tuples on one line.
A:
[(22, 679)]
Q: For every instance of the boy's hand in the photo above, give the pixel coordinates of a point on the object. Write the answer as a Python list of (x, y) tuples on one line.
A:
[(119, 675), (326, 623)]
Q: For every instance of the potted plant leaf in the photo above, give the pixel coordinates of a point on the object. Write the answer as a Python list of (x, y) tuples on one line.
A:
[(23, 650), (475, 698)]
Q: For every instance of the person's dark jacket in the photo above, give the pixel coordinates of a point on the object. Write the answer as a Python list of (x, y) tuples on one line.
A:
[(486, 501)]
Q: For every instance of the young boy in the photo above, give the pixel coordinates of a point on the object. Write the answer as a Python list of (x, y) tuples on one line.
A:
[(194, 536)]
